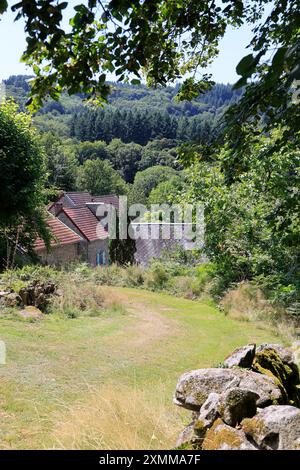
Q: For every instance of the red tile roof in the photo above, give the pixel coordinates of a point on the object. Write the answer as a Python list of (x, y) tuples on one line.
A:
[(108, 199), (62, 234), (86, 222), (79, 198)]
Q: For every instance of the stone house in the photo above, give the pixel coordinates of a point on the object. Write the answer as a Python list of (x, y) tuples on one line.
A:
[(65, 246), (78, 233)]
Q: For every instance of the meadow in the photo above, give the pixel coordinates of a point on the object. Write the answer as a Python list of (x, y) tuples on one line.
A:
[(105, 380)]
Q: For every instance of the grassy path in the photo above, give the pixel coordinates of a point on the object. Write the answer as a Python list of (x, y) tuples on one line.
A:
[(107, 382)]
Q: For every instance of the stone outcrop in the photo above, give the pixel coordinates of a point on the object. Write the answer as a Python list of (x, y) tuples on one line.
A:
[(241, 357), (10, 299), (37, 294), (236, 404), (194, 387), (209, 412), (275, 428), (224, 437), (248, 407), (31, 313)]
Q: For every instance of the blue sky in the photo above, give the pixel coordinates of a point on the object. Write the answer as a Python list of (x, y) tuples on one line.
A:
[(12, 44)]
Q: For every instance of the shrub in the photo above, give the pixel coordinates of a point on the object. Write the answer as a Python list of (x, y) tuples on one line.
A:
[(186, 286), (108, 275), (133, 276), (76, 299), (17, 278), (156, 277)]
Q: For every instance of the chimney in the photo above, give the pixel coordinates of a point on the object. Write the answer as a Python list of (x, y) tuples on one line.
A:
[(57, 208)]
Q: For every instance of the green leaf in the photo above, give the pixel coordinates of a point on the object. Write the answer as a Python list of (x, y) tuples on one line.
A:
[(3, 6), (240, 83), (295, 73), (278, 58), (245, 65)]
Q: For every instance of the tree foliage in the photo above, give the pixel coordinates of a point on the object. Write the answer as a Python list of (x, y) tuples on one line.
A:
[(252, 225), (98, 177), (163, 41), (22, 180), (145, 181), (61, 162)]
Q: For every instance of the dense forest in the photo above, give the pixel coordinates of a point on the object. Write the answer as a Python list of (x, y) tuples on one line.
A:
[(134, 113), (137, 129)]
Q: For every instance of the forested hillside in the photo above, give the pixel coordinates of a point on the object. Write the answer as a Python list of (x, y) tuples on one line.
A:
[(134, 113), (131, 142)]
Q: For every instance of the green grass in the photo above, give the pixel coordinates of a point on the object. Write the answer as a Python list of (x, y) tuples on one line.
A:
[(56, 366)]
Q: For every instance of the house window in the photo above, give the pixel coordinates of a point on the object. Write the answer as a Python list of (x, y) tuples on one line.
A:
[(101, 258)]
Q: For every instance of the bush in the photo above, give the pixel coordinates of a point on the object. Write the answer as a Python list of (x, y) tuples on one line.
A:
[(108, 275), (186, 286), (133, 276), (156, 277)]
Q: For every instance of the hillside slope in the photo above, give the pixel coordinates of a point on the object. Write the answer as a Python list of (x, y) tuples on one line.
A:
[(108, 381)]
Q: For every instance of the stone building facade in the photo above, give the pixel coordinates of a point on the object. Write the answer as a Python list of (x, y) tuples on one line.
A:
[(78, 233), (65, 246)]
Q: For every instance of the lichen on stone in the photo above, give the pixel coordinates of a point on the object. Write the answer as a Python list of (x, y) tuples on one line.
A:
[(252, 426), (200, 428), (219, 435), (268, 362)]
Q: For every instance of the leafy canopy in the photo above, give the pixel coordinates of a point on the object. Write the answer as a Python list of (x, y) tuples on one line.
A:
[(98, 177), (22, 179), (252, 225), (164, 41)]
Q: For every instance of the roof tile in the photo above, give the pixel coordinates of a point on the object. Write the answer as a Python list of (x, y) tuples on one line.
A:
[(108, 199), (86, 222), (62, 234)]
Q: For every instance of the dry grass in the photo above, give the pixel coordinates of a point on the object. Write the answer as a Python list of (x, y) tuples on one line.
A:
[(119, 417), (84, 298), (78, 298), (248, 303), (107, 382)]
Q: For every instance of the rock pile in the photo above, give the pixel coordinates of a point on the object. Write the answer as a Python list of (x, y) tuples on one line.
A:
[(36, 294), (251, 402)]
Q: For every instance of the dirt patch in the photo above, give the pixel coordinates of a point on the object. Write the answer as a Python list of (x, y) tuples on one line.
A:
[(149, 325)]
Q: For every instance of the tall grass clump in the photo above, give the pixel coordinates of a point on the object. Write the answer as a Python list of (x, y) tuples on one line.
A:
[(74, 300), (118, 417), (133, 276), (156, 277), (247, 302), (108, 275)]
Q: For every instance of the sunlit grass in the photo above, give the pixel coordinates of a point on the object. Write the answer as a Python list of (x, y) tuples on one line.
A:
[(107, 381)]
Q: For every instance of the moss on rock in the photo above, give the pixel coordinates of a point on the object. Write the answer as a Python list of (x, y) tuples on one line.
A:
[(268, 362), (220, 436)]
